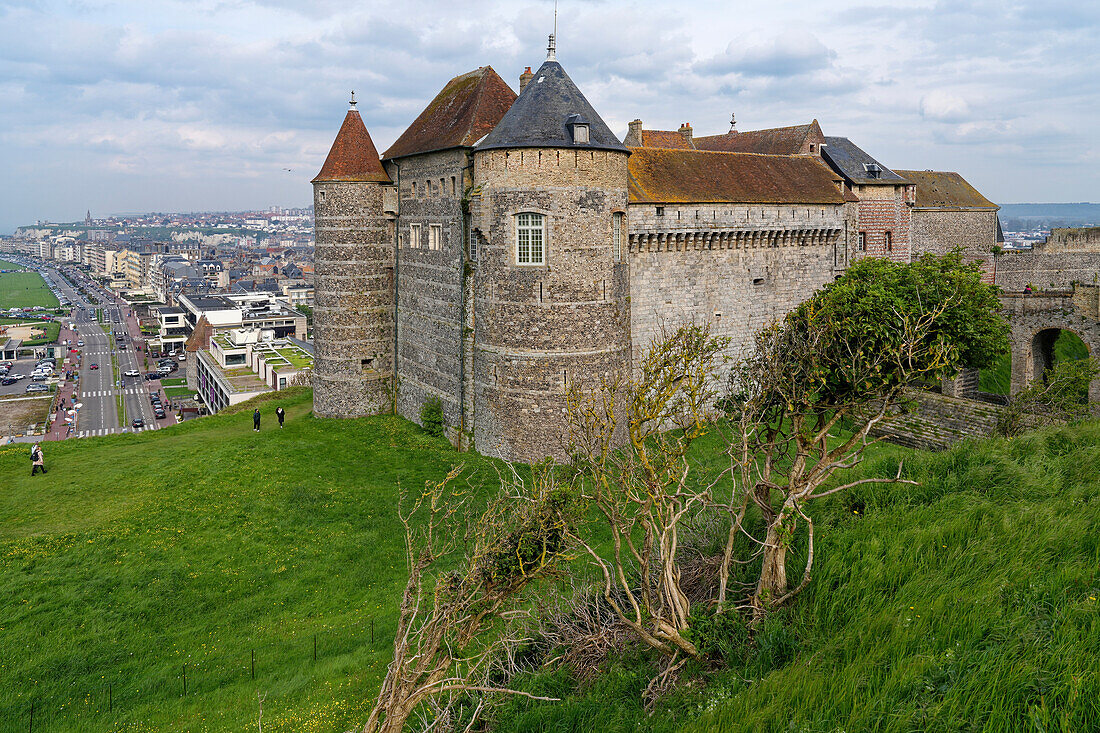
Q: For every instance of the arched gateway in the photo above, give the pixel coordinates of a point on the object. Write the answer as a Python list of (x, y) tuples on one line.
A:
[(1036, 320)]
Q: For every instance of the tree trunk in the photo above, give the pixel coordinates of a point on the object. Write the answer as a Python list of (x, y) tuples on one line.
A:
[(773, 574)]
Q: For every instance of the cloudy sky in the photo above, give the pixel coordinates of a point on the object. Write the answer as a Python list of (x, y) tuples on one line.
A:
[(164, 105)]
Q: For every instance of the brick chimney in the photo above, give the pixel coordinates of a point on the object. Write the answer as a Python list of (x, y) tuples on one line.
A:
[(633, 134), (525, 79), (685, 130)]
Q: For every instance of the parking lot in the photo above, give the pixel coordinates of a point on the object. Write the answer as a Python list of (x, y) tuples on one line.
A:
[(23, 366)]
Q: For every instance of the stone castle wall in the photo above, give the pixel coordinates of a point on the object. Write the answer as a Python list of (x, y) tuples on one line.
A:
[(939, 231), (429, 283), (735, 267), (353, 311), (540, 329), (1067, 256)]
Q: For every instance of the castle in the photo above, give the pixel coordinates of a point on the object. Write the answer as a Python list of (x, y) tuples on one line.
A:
[(507, 247)]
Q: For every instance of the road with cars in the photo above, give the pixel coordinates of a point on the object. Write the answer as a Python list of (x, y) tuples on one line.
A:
[(99, 386)]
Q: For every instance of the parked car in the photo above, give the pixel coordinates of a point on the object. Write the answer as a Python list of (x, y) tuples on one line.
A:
[(79, 343), (37, 388), (8, 380), (182, 357), (161, 414)]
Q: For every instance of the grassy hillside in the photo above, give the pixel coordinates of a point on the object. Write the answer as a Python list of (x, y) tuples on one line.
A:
[(969, 602), (25, 290), (139, 554)]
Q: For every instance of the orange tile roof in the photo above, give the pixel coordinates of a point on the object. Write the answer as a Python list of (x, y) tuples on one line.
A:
[(466, 110), (200, 337), (772, 141), (665, 139), (945, 190), (660, 175), (353, 156)]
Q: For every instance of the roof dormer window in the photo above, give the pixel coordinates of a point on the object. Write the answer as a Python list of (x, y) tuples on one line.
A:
[(578, 128)]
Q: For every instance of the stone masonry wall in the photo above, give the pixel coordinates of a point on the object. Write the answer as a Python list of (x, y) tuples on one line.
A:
[(540, 329), (883, 209), (1047, 265), (353, 311), (429, 283), (727, 272), (938, 231)]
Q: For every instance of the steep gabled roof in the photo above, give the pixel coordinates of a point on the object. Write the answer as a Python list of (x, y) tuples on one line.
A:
[(849, 160), (200, 337), (772, 141), (466, 110), (663, 176), (945, 190), (353, 156), (538, 118), (666, 139)]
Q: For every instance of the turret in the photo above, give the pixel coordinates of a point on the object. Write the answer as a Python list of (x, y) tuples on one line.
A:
[(353, 266), (551, 273)]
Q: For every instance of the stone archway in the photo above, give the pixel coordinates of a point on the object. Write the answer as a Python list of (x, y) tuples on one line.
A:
[(1037, 320)]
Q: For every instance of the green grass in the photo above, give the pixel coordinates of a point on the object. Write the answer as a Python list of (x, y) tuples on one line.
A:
[(25, 290), (178, 392), (5, 265), (967, 603), (173, 382), (195, 545)]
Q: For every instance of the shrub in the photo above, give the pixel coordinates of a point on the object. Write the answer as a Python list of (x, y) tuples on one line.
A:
[(431, 417)]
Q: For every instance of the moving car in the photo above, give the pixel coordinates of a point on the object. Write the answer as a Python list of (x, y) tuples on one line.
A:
[(94, 366), (137, 423), (132, 373)]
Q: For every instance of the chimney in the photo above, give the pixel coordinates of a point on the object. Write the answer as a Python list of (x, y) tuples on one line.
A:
[(634, 135), (525, 78), (685, 130)]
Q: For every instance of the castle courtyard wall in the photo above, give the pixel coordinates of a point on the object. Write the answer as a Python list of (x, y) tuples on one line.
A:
[(939, 231)]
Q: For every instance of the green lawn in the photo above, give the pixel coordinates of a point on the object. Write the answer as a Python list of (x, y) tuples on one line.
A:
[(25, 290), (173, 382), (178, 392), (197, 544), (5, 265)]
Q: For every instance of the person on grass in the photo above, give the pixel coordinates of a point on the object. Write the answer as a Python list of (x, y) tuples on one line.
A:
[(37, 460), (256, 420), (281, 414)]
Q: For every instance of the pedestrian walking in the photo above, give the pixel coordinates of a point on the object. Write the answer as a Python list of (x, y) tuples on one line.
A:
[(256, 420), (37, 460), (281, 414)]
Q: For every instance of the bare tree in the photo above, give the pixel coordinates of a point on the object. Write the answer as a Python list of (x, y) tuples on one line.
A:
[(468, 569), (642, 490)]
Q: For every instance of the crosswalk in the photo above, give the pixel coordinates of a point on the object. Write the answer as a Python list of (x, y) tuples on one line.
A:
[(113, 392), (111, 431)]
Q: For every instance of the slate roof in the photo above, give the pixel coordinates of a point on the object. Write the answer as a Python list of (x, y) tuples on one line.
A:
[(945, 190), (771, 141), (666, 139), (537, 119), (466, 110), (851, 161), (353, 156), (659, 175)]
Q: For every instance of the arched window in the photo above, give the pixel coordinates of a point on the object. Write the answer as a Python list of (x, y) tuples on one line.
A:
[(530, 239), (617, 236)]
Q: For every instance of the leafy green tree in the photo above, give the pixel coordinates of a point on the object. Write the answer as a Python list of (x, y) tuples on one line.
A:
[(846, 354)]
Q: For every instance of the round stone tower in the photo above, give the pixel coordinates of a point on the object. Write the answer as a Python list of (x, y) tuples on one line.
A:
[(353, 278), (551, 284)]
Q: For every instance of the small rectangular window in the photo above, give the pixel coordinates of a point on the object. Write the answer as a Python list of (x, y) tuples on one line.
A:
[(862, 242), (435, 236), (414, 189), (889, 242), (414, 236), (453, 187), (473, 245), (660, 211)]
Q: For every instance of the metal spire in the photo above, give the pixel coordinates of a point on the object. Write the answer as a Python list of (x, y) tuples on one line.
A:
[(353, 102), (552, 46)]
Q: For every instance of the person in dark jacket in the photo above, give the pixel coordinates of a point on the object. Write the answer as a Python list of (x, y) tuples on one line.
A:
[(37, 460), (256, 420), (281, 414)]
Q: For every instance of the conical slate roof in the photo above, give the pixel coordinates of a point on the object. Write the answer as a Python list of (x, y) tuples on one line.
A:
[(539, 116), (353, 156)]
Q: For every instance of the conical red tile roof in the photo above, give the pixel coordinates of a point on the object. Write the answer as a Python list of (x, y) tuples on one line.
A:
[(353, 156)]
